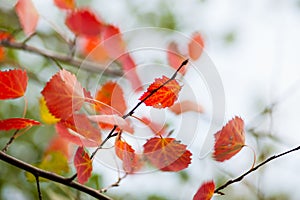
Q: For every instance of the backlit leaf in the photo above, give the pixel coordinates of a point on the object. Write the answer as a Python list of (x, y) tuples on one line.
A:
[(112, 120), (45, 115), (63, 94), (175, 58), (131, 161), (83, 165), (165, 96), (28, 16), (196, 46), (58, 144), (186, 106), (82, 129), (65, 4), (230, 140), (205, 192), (13, 83), (111, 94), (167, 154), (17, 123), (84, 22)]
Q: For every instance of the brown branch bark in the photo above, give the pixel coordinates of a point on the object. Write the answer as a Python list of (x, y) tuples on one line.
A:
[(51, 176), (241, 177), (67, 59)]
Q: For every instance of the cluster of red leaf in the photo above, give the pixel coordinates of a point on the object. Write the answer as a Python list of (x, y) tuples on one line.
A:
[(13, 84)]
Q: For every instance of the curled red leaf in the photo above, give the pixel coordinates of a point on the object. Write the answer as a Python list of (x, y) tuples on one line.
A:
[(230, 140)]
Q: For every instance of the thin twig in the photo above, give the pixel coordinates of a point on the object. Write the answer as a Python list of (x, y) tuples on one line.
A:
[(13, 137), (51, 176), (38, 187), (116, 184), (76, 62), (218, 190)]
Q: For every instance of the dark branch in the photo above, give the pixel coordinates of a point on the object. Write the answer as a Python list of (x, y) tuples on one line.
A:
[(13, 137), (38, 187), (218, 190), (51, 176), (67, 59)]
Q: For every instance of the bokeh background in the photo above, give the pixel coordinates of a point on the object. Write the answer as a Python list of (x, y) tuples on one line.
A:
[(254, 45)]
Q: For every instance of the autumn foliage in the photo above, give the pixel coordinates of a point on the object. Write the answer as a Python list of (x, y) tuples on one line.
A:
[(85, 121)]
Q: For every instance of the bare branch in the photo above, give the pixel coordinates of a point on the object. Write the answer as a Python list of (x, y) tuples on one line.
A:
[(51, 176), (38, 187), (13, 137), (240, 178), (67, 59)]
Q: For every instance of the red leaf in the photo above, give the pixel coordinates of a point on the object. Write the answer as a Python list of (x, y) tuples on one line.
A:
[(167, 154), (83, 165), (85, 133), (17, 123), (93, 48), (175, 58), (129, 68), (112, 95), (13, 83), (230, 140), (63, 94), (205, 192), (196, 46), (131, 161), (186, 106), (112, 120), (165, 96), (65, 4), (84, 22), (28, 16)]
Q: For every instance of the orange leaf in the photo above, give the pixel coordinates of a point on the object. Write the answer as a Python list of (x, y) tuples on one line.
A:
[(230, 140), (28, 16), (175, 58), (205, 192), (112, 95), (196, 46), (63, 94), (186, 106), (165, 96), (93, 48), (112, 120), (65, 4), (84, 22), (131, 161), (17, 123), (83, 165), (85, 133), (167, 154), (13, 83)]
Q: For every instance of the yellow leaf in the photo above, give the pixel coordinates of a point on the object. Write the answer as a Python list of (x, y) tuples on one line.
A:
[(46, 116)]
